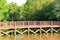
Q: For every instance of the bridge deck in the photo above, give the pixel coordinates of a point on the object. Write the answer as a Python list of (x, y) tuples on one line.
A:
[(29, 24)]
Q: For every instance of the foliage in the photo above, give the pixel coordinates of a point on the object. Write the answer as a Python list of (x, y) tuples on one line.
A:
[(3, 10), (32, 10), (14, 12)]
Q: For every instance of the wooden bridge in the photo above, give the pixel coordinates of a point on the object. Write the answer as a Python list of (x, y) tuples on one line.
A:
[(40, 26)]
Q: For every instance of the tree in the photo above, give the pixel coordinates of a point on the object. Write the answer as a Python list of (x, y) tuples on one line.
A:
[(38, 10), (3, 10), (14, 12), (33, 10), (57, 9)]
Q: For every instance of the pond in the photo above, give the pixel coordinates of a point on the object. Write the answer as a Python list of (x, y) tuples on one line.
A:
[(32, 37)]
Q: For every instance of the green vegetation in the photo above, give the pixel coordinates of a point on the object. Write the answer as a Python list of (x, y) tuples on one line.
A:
[(32, 10)]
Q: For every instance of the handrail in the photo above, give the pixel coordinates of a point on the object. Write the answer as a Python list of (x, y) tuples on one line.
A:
[(21, 23)]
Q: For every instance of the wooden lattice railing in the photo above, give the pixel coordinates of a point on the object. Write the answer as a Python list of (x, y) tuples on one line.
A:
[(26, 24)]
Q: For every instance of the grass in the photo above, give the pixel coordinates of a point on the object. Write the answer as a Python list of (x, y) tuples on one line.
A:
[(34, 37)]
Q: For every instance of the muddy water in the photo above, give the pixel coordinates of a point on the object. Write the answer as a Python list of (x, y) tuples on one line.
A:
[(33, 37)]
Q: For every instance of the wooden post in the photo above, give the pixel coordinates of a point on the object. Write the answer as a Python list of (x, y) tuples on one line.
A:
[(15, 34), (23, 23), (28, 33), (51, 30), (34, 23), (12, 35), (28, 30), (40, 33), (0, 34), (15, 31), (51, 33)]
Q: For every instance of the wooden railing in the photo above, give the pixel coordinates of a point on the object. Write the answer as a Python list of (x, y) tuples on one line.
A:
[(29, 23)]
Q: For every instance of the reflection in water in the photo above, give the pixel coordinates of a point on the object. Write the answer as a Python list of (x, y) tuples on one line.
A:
[(18, 36), (33, 37)]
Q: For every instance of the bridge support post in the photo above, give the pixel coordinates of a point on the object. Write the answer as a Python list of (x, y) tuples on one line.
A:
[(40, 31), (0, 34), (28, 33), (15, 31), (28, 30), (15, 34), (51, 33)]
